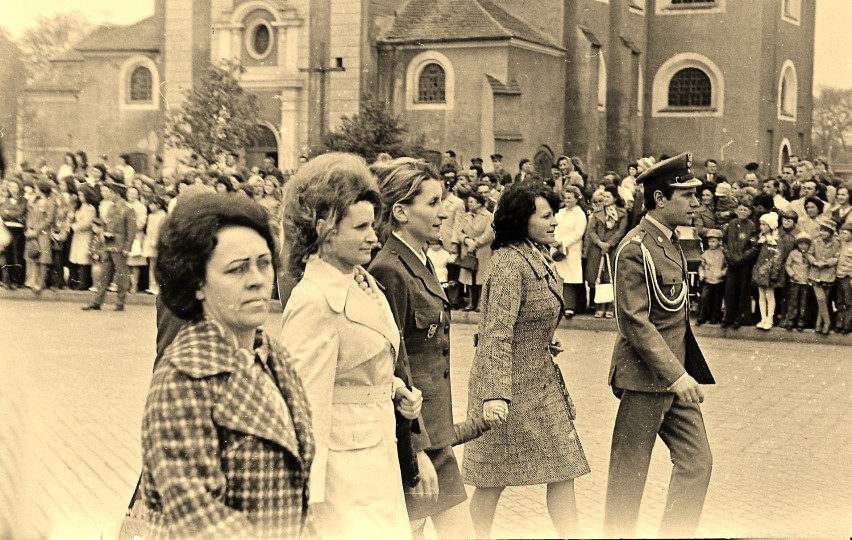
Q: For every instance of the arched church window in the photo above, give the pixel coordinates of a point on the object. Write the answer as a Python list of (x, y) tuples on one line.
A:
[(141, 84), (431, 85), (690, 87)]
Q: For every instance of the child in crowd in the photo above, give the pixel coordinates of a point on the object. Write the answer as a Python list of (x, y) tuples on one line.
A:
[(740, 251), (844, 281), (786, 243), (711, 272), (439, 257), (766, 274), (797, 267), (726, 205), (823, 257)]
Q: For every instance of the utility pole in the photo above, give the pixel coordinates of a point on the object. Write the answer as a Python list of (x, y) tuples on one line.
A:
[(324, 69)]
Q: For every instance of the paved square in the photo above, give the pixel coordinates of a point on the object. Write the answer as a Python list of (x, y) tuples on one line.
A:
[(778, 421)]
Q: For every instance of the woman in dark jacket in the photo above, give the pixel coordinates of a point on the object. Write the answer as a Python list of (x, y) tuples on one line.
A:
[(13, 213), (606, 229), (411, 217)]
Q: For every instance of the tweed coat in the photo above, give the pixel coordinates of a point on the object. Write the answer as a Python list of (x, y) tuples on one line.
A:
[(538, 443), (223, 454), (343, 343), (597, 231), (655, 346)]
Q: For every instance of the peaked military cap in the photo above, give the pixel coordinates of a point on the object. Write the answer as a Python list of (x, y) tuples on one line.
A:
[(498, 157), (674, 172), (752, 166), (476, 161)]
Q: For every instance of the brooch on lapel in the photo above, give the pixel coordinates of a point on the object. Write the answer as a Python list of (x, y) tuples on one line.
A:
[(432, 329)]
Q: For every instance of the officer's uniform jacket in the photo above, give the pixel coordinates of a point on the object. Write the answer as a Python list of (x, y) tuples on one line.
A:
[(422, 313), (655, 344)]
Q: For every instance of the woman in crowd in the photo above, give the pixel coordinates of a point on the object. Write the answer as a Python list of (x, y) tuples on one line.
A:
[(842, 211), (81, 239), (68, 167), (808, 223), (412, 214), (64, 196), (514, 381), (822, 257), (135, 259), (343, 342), (156, 216), (607, 229), (39, 224), (704, 218), (568, 247), (13, 213), (226, 437), (475, 236)]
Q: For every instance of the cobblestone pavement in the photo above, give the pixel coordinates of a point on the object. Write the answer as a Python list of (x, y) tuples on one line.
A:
[(778, 422)]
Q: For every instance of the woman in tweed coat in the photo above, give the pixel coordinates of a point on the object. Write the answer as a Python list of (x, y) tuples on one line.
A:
[(513, 380), (226, 440)]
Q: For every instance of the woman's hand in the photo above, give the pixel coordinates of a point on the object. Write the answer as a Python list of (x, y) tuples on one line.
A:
[(603, 245), (470, 244), (495, 411), (428, 485), (409, 402), (556, 347)]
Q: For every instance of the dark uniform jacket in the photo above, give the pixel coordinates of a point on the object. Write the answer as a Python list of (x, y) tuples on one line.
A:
[(655, 344), (741, 242), (422, 313), (120, 223)]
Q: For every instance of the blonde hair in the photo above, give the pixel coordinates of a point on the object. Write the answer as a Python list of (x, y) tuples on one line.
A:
[(322, 189), (400, 181)]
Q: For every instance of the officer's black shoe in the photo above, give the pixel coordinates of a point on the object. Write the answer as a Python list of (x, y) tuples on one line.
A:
[(92, 307)]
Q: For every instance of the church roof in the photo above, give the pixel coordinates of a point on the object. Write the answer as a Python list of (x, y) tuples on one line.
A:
[(141, 36), (430, 21)]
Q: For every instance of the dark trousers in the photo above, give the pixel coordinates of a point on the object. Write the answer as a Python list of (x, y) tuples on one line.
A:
[(13, 268), (56, 271), (844, 304), (569, 295), (114, 267), (454, 289), (738, 295), (797, 304), (710, 306), (641, 417), (80, 277)]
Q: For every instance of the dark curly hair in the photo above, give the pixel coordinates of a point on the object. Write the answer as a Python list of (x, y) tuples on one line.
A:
[(188, 238), (517, 204)]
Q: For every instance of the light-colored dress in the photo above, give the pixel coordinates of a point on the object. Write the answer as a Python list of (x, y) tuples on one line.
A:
[(135, 257), (82, 237), (478, 228), (538, 443), (152, 233), (343, 344), (570, 226)]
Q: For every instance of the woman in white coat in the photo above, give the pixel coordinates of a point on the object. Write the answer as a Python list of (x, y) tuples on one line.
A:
[(342, 340), (568, 248)]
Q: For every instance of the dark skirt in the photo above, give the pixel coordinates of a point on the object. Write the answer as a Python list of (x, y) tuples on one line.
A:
[(451, 490)]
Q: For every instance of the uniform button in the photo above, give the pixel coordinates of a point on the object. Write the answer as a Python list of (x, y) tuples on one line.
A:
[(447, 329), (447, 373), (446, 351)]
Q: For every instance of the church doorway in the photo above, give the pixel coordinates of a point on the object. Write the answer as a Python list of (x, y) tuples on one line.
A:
[(266, 144), (542, 161)]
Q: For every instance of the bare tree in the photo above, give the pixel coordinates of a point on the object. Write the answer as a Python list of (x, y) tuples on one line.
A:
[(51, 35), (832, 121)]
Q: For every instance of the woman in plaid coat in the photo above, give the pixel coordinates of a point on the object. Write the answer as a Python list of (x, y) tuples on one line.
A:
[(226, 440)]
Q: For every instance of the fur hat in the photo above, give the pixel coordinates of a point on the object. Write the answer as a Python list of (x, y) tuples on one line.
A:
[(723, 189), (771, 219), (714, 233)]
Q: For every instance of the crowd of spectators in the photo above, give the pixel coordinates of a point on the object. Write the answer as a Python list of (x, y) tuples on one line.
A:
[(771, 251), (747, 269), (61, 219)]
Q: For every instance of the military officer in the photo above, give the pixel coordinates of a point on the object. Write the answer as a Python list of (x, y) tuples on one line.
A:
[(657, 367)]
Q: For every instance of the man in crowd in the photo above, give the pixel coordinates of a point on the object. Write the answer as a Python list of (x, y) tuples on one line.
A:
[(502, 175), (772, 187), (711, 175), (119, 231), (657, 367), (525, 170)]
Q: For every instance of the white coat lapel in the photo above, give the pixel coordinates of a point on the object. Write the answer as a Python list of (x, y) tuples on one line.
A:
[(365, 310)]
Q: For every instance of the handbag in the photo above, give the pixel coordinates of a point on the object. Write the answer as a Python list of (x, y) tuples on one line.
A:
[(135, 524), (468, 262), (558, 255), (604, 293), (32, 250)]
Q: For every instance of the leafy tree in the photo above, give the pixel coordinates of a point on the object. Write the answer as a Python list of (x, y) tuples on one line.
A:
[(218, 116), (832, 121), (370, 132), (51, 35)]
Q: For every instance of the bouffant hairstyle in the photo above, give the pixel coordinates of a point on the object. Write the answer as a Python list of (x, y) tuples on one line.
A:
[(400, 181), (476, 196), (612, 190), (322, 189), (188, 238), (574, 190), (517, 204), (816, 200)]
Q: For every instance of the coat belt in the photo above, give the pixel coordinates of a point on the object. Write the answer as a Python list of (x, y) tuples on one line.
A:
[(362, 394)]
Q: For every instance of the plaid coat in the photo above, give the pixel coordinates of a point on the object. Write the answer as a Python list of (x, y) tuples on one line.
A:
[(223, 455)]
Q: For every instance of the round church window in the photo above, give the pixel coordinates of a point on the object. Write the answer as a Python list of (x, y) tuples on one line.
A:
[(260, 40)]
